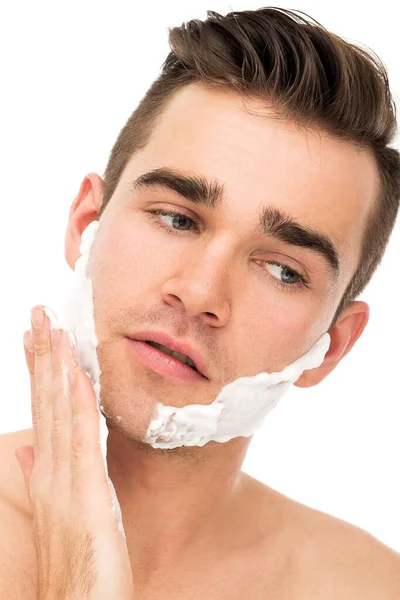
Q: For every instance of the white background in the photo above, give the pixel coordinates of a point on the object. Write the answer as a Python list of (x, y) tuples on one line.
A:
[(71, 75)]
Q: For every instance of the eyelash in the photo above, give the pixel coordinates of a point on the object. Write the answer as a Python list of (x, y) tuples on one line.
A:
[(286, 286)]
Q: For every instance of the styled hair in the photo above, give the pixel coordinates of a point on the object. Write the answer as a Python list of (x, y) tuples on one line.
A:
[(308, 75)]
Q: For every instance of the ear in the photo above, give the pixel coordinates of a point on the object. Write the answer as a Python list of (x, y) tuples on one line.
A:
[(83, 211), (344, 335)]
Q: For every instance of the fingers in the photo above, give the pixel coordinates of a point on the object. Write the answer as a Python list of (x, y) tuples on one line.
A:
[(48, 355), (42, 383), (62, 410), (87, 464), (68, 462)]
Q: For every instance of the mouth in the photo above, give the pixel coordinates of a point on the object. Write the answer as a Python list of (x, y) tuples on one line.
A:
[(165, 361), (182, 357)]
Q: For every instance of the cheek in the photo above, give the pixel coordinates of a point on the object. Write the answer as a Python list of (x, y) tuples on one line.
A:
[(280, 333), (122, 255), (299, 335)]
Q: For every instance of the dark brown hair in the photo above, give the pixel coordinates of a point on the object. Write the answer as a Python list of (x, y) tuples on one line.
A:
[(310, 76)]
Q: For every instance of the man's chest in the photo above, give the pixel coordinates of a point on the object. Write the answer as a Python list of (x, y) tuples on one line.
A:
[(257, 573), (240, 581), (246, 575)]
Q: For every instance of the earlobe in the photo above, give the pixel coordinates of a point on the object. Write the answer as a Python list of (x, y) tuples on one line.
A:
[(344, 335), (83, 211)]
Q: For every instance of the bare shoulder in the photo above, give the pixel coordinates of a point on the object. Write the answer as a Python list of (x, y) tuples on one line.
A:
[(356, 563), (17, 550), (323, 557), (340, 560), (360, 565)]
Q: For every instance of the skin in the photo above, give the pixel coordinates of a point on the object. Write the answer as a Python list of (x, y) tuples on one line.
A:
[(241, 321), (73, 526), (185, 509)]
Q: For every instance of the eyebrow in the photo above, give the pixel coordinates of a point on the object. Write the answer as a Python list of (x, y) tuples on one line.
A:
[(273, 222)]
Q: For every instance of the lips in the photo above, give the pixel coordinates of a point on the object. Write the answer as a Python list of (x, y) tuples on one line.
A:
[(174, 344), (182, 357)]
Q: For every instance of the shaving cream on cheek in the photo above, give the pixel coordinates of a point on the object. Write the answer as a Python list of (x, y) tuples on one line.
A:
[(238, 410), (78, 318)]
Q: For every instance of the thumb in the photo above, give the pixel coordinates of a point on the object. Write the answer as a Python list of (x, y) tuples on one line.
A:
[(25, 457)]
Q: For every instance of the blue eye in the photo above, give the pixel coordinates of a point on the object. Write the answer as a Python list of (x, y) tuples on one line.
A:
[(180, 217), (300, 280), (179, 220)]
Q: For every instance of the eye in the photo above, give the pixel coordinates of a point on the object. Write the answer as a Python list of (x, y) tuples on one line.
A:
[(300, 280), (178, 219)]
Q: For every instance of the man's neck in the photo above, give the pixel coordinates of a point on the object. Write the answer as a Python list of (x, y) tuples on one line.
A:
[(173, 501)]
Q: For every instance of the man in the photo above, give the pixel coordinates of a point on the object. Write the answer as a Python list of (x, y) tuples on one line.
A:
[(196, 526)]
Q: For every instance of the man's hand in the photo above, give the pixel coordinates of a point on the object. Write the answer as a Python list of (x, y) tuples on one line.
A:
[(80, 551)]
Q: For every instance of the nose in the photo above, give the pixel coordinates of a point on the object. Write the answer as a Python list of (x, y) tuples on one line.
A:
[(201, 287)]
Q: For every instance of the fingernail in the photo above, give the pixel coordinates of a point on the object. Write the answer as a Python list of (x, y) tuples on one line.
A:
[(37, 318), (52, 316), (28, 341), (55, 337)]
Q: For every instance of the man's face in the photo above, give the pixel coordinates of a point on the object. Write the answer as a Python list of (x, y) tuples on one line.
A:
[(212, 282)]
